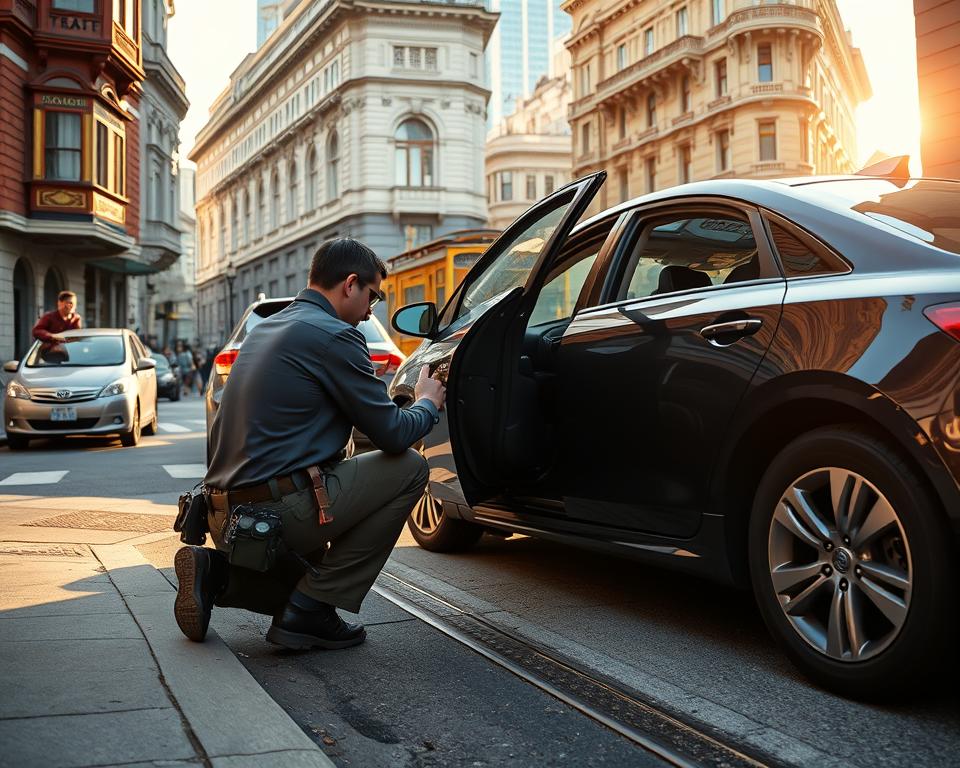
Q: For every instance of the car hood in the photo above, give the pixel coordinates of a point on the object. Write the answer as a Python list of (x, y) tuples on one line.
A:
[(67, 377)]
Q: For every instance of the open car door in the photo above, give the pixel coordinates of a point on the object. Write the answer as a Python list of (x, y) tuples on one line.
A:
[(494, 411)]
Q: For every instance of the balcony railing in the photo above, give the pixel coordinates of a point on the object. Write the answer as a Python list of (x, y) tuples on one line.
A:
[(686, 117), (761, 16), (762, 89), (688, 45)]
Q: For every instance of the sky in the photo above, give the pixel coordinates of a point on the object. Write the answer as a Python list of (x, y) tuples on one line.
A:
[(207, 40)]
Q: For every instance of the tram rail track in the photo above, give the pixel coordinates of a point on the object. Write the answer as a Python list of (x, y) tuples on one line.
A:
[(672, 738)]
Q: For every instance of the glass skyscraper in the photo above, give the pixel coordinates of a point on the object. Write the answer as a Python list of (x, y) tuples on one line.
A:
[(519, 52)]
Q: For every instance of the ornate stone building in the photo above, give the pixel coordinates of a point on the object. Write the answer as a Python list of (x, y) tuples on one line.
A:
[(669, 91), (528, 153), (363, 120), (162, 108), (71, 74)]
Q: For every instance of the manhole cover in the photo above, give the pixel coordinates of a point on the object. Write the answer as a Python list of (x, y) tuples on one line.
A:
[(47, 551), (88, 519)]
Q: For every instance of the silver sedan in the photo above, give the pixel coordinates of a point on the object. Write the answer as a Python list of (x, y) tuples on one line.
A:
[(97, 381)]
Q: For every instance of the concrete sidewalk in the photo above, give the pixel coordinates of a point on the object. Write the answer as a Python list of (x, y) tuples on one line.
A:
[(93, 667)]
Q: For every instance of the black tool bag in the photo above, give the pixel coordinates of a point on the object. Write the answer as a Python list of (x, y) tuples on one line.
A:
[(253, 537), (191, 522)]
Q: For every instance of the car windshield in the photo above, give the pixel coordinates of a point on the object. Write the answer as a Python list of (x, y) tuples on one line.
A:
[(924, 209), (78, 351), (162, 363)]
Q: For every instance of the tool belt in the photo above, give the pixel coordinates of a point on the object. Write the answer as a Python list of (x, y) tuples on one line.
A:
[(272, 490)]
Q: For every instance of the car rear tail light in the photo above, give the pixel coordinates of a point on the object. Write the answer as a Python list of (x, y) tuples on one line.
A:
[(384, 363), (225, 360), (946, 317)]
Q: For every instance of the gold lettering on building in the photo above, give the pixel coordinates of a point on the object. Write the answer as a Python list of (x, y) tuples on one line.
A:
[(55, 100)]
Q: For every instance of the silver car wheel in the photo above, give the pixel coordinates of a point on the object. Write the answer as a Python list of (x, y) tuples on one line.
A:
[(840, 564), (427, 513)]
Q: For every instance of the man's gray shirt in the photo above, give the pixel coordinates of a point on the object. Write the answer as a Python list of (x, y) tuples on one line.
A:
[(302, 379)]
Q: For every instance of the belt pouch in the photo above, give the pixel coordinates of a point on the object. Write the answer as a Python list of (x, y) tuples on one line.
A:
[(191, 522), (253, 538)]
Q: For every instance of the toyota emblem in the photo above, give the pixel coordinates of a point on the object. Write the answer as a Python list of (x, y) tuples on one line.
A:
[(63, 394)]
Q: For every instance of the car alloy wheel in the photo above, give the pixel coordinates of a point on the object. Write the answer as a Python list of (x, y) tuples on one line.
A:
[(427, 514), (840, 564), (132, 438)]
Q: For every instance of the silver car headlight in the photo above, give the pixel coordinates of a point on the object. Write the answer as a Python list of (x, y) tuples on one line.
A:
[(17, 390), (117, 388)]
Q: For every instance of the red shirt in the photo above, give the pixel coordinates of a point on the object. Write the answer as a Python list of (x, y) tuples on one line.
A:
[(52, 324)]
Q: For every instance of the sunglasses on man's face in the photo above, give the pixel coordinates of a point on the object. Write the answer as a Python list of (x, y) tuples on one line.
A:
[(376, 297)]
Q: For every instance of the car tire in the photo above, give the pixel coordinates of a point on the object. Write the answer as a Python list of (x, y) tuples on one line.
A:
[(175, 396), (869, 612), (437, 532), (17, 442), (154, 426), (132, 437)]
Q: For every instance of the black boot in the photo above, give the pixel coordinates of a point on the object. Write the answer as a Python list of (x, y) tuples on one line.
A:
[(201, 576), (306, 623)]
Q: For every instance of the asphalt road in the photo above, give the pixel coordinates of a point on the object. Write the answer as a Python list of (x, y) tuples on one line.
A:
[(411, 696)]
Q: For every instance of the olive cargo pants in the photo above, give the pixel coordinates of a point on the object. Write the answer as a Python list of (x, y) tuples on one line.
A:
[(371, 496)]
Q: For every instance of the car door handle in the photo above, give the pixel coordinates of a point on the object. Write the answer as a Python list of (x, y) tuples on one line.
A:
[(732, 330)]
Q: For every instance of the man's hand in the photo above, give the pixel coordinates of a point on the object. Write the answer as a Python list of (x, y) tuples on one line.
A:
[(430, 388), (57, 339)]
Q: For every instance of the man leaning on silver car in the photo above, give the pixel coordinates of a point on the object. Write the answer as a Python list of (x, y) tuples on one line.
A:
[(95, 382)]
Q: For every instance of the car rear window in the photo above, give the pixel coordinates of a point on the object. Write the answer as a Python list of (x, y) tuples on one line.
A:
[(925, 209), (257, 315), (78, 351)]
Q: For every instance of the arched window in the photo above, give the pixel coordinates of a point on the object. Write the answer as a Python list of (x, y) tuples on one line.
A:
[(415, 144), (246, 216), (293, 185), (333, 166), (311, 187), (274, 200), (261, 222), (234, 222)]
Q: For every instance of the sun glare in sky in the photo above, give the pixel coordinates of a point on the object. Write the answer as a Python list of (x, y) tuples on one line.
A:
[(209, 38)]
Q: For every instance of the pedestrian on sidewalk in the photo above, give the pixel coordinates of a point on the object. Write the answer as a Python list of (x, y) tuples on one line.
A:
[(303, 380), (187, 367)]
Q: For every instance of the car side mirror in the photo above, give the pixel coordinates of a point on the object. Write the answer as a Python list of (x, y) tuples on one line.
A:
[(416, 319), (146, 364), (11, 366)]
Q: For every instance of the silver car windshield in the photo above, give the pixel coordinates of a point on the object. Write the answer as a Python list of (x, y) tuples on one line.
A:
[(77, 351)]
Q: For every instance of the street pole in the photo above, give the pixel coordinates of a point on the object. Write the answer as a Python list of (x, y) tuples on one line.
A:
[(230, 273)]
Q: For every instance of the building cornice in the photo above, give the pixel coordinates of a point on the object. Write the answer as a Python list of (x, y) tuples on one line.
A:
[(101, 238), (315, 19)]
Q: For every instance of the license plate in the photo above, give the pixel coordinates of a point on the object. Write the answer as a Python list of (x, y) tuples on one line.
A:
[(63, 414)]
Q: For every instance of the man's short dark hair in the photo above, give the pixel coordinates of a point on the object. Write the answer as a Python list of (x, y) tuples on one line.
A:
[(64, 295), (337, 259)]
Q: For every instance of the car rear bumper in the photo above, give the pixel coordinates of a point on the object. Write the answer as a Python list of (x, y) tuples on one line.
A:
[(103, 415)]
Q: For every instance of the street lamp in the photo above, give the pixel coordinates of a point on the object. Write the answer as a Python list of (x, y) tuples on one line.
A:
[(230, 274)]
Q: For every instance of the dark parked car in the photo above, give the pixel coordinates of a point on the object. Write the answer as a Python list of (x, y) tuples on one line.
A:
[(168, 377), (384, 354), (754, 381)]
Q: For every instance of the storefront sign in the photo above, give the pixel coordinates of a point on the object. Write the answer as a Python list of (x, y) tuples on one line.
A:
[(56, 100), (74, 23)]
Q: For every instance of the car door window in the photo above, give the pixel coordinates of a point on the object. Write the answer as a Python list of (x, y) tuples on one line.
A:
[(558, 297), (134, 355), (688, 251), (510, 269)]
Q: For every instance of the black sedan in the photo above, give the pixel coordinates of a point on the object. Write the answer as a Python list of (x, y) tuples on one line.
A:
[(168, 377), (755, 381)]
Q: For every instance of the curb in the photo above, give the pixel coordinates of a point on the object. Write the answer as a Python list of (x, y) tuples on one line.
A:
[(232, 718)]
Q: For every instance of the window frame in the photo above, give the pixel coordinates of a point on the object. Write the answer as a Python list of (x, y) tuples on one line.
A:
[(427, 152), (761, 124), (720, 76), (613, 288), (838, 264), (723, 152), (47, 148), (761, 64)]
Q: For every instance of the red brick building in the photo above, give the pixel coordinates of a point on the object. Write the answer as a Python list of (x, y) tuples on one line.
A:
[(938, 75), (71, 74)]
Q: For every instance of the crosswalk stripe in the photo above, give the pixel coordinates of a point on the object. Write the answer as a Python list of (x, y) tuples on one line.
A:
[(186, 471), (166, 426), (35, 478), (196, 421)]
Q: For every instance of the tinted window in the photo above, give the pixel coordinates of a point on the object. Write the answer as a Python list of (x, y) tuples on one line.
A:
[(926, 210), (797, 258), (80, 351), (688, 252)]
